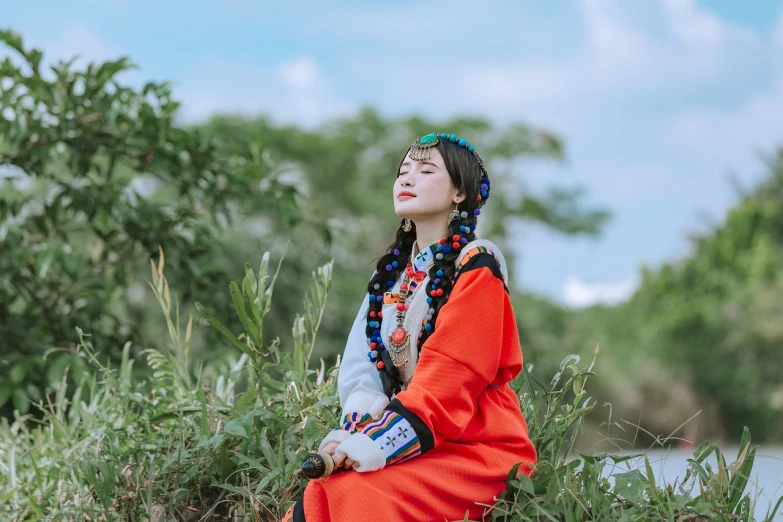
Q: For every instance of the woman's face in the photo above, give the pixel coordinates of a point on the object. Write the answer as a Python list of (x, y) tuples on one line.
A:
[(424, 189)]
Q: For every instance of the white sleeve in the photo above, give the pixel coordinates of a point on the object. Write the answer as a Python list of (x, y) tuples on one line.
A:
[(358, 382)]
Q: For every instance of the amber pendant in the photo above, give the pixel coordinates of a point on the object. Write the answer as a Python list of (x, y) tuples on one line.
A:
[(399, 346)]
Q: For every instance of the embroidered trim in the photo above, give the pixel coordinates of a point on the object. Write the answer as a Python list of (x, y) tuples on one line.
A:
[(352, 421), (390, 298), (424, 434), (395, 436), (470, 254)]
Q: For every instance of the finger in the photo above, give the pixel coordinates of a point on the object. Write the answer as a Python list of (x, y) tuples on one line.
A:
[(329, 448), (349, 462), (338, 459), (355, 465)]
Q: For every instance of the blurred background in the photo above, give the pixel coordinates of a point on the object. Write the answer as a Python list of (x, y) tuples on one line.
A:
[(634, 147)]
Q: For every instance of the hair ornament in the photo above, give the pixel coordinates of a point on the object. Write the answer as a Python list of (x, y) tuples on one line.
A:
[(421, 151)]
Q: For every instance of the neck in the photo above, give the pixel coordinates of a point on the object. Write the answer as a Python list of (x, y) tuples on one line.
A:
[(429, 232)]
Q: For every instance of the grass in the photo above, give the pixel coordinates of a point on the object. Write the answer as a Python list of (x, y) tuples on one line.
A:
[(224, 441)]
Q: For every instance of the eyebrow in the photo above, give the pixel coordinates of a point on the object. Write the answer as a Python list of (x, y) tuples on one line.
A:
[(407, 163)]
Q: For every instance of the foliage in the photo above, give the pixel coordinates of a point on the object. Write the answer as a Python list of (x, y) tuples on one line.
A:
[(78, 153), (711, 321), (193, 446), (571, 488), (184, 442)]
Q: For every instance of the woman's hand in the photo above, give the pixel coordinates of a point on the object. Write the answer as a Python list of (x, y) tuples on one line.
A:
[(330, 447), (341, 459)]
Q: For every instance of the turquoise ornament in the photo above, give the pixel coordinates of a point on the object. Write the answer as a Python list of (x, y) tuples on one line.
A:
[(462, 142), (429, 138), (420, 149), (452, 138)]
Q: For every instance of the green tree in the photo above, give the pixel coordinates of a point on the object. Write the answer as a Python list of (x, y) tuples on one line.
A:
[(707, 325), (76, 150)]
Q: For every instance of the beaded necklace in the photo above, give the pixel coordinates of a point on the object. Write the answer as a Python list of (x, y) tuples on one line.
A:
[(399, 340)]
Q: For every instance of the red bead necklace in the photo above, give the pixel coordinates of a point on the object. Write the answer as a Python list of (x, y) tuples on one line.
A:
[(399, 340)]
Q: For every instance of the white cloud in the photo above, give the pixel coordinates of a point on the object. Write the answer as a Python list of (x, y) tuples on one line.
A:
[(301, 74), (296, 90), (580, 294), (82, 40), (693, 26), (615, 51), (732, 133)]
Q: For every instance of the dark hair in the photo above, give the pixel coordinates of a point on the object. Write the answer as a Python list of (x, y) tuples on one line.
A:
[(467, 174)]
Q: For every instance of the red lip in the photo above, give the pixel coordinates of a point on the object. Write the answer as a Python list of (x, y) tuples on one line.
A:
[(406, 194)]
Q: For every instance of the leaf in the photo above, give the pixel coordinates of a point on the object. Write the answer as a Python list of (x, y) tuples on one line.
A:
[(267, 450), (5, 394), (629, 485), (742, 468), (239, 304), (13, 40), (234, 427), (526, 485), (234, 489), (225, 332), (55, 368), (43, 261), (215, 440), (267, 479), (20, 400), (18, 372), (204, 416)]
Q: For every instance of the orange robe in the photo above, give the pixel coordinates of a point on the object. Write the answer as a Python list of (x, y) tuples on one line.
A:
[(469, 430)]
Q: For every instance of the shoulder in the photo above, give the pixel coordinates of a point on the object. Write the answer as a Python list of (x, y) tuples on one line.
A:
[(481, 254)]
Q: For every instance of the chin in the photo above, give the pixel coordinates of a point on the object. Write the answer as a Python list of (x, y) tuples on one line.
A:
[(403, 213)]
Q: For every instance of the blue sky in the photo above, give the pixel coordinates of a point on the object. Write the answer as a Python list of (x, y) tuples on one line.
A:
[(658, 101)]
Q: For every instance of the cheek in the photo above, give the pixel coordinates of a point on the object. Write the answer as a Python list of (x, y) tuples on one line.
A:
[(438, 187)]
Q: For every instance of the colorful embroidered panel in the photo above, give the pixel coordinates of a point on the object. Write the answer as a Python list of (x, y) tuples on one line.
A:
[(395, 436), (353, 421)]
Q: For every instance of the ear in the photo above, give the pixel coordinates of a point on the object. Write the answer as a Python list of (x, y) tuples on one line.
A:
[(459, 197)]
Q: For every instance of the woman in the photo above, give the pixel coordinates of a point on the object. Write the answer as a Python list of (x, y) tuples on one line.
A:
[(431, 427)]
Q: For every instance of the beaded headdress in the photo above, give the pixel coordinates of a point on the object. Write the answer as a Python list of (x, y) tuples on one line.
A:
[(420, 151)]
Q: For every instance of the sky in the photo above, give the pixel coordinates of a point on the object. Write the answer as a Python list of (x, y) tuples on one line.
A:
[(665, 106)]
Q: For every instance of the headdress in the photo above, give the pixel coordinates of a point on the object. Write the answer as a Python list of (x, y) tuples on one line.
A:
[(420, 151)]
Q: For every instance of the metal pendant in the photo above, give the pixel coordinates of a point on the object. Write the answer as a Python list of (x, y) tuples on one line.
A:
[(399, 346)]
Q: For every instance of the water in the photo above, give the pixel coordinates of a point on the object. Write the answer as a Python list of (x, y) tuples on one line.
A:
[(766, 482)]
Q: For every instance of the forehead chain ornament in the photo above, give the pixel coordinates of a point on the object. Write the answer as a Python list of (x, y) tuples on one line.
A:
[(420, 149)]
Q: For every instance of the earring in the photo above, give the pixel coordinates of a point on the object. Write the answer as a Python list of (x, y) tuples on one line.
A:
[(407, 225), (454, 214)]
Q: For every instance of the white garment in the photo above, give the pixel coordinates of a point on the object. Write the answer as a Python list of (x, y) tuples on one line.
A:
[(358, 381)]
